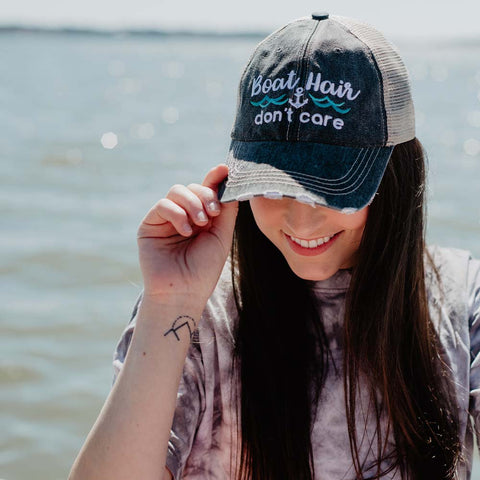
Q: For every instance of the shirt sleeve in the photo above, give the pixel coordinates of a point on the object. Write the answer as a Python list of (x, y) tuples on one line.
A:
[(473, 292), (190, 397)]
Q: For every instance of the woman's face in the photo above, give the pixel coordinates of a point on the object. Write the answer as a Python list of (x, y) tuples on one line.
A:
[(287, 222)]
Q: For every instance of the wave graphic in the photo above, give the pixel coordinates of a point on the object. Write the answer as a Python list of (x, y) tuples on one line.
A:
[(266, 101), (326, 102)]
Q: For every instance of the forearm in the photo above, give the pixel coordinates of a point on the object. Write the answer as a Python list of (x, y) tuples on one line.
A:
[(130, 437)]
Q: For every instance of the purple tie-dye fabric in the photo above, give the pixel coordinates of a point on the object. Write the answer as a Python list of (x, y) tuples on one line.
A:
[(203, 442)]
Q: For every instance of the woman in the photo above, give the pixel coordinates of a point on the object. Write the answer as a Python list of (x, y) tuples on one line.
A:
[(331, 343)]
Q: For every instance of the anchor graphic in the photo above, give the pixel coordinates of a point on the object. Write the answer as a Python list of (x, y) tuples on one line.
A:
[(298, 103)]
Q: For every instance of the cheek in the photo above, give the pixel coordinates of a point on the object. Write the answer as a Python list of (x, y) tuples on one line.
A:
[(354, 226), (265, 214), (356, 221), (266, 224)]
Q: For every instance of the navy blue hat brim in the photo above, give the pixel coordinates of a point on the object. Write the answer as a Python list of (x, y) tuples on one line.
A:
[(339, 177)]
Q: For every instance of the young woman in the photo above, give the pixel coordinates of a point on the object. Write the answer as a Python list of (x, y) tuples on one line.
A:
[(299, 329)]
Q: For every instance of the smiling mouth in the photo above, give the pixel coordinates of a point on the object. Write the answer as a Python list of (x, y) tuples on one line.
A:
[(311, 243)]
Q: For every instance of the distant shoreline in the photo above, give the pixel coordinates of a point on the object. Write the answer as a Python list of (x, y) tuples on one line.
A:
[(134, 32), (144, 32)]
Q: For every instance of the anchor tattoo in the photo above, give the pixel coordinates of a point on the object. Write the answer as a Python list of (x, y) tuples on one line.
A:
[(180, 322), (298, 103)]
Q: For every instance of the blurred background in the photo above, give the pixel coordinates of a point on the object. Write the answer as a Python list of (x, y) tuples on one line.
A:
[(104, 105)]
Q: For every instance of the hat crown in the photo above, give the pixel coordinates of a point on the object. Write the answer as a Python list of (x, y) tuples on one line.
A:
[(335, 80), (321, 105)]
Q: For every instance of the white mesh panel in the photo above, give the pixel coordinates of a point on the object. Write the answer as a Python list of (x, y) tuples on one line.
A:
[(396, 84)]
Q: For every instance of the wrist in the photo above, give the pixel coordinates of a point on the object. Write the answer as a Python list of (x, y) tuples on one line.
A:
[(172, 298), (172, 305)]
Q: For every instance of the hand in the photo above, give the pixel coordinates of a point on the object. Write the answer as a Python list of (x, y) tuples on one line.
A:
[(185, 238)]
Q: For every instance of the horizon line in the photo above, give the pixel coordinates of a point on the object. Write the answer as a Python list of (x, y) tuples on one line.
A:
[(134, 31), (107, 31)]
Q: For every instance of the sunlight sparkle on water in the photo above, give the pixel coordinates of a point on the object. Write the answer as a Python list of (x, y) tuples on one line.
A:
[(109, 140), (471, 147)]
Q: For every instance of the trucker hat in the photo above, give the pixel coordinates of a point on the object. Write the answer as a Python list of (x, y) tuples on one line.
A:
[(321, 104)]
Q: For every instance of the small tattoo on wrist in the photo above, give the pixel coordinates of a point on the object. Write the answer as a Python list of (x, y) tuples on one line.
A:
[(180, 322)]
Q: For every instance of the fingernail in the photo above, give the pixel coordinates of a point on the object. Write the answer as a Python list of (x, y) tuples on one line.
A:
[(213, 207), (202, 217), (187, 228)]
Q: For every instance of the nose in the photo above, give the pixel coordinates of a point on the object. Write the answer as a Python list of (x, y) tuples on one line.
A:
[(304, 220)]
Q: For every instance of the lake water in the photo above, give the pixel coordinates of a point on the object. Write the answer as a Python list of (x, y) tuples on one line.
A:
[(70, 207)]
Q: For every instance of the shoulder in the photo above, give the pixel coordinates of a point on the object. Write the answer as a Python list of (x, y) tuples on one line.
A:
[(457, 286), (451, 263), (454, 303), (458, 271)]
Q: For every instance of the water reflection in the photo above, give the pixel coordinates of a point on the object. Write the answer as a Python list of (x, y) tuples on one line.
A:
[(109, 140)]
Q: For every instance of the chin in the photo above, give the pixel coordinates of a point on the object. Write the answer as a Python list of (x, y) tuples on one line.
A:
[(314, 274)]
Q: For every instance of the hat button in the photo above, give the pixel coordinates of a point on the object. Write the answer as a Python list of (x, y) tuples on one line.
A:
[(320, 15)]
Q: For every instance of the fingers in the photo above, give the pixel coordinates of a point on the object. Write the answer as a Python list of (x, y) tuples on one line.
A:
[(166, 213), (184, 207), (189, 206)]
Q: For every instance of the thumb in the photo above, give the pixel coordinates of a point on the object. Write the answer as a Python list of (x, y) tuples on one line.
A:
[(215, 176)]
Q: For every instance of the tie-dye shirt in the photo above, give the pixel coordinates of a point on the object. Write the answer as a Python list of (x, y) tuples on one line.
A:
[(203, 440)]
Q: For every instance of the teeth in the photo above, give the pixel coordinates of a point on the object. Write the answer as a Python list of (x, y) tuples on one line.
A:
[(311, 243)]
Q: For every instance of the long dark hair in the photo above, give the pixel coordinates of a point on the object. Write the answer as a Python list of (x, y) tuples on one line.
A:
[(281, 355)]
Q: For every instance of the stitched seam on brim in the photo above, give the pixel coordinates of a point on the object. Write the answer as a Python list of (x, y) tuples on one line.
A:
[(238, 147), (255, 178)]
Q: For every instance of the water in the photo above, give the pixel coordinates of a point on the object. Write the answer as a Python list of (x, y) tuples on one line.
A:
[(70, 207)]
